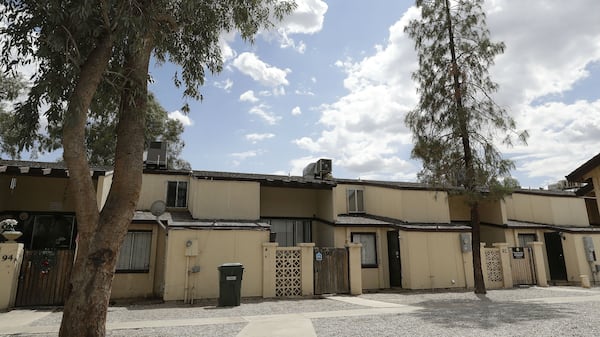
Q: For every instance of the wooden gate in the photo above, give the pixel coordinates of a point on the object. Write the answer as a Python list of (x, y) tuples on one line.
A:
[(331, 271), (44, 277), (521, 264)]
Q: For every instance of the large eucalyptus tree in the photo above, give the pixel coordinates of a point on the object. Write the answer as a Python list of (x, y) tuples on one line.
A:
[(457, 125), (90, 51)]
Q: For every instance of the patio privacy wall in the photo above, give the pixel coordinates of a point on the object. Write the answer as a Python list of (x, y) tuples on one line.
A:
[(434, 260), (208, 250)]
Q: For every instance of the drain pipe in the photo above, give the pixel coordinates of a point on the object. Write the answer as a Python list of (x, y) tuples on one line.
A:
[(186, 283)]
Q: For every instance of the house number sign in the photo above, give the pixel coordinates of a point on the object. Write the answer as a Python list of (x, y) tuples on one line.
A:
[(319, 256), (7, 257)]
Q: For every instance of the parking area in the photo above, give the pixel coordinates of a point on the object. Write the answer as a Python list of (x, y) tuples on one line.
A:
[(552, 311)]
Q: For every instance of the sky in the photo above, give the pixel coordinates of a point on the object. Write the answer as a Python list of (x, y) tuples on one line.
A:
[(333, 80)]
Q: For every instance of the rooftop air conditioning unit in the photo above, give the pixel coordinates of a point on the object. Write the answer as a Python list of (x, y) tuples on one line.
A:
[(321, 169), (157, 155)]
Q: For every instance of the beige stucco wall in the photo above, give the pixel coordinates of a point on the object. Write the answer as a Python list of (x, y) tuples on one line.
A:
[(27, 196), (432, 260), (573, 251), (490, 211), (491, 235), (137, 285), (564, 211), (325, 206), (161, 256), (154, 187), (575, 258), (372, 278), (294, 202), (214, 247), (592, 210), (595, 176), (323, 234), (10, 266), (103, 187), (221, 199), (409, 205)]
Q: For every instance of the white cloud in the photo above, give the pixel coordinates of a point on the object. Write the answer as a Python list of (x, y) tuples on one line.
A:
[(265, 74), (307, 18), (546, 58), (241, 156), (226, 84), (244, 155), (556, 130), (257, 137), (304, 92), (296, 111), (226, 51), (262, 111), (183, 118), (248, 96), (364, 130)]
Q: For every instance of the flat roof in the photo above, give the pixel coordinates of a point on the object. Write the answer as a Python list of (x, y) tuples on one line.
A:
[(514, 224), (184, 220), (374, 221), (49, 169)]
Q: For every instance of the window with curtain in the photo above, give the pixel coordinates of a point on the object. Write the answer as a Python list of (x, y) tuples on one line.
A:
[(355, 200), (177, 194), (368, 253), (290, 232), (135, 252)]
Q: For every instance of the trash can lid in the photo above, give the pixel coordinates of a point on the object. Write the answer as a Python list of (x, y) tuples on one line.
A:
[(231, 264)]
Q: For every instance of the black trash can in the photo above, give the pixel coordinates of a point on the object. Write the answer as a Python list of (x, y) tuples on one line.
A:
[(230, 284)]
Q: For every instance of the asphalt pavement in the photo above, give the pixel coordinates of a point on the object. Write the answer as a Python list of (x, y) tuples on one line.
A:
[(534, 311)]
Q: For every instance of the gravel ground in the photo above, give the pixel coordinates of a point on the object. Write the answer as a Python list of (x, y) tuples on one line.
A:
[(453, 313), (178, 310), (464, 314)]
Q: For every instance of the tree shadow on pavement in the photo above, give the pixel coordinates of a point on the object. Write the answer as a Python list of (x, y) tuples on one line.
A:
[(484, 313)]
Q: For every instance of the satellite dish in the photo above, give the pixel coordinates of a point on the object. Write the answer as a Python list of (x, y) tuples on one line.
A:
[(158, 208)]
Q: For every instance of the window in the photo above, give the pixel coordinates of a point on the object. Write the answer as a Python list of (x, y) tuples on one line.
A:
[(524, 239), (289, 233), (177, 194), (355, 201), (369, 249), (135, 252)]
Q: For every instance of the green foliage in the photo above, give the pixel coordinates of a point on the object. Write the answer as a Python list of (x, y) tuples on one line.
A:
[(59, 35), (10, 88), (457, 123), (101, 129)]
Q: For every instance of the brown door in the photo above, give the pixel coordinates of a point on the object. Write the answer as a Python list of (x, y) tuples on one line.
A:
[(44, 277), (521, 264), (331, 271)]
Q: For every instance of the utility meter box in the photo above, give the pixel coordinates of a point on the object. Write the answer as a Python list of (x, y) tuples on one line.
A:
[(191, 248), (465, 242), (588, 247)]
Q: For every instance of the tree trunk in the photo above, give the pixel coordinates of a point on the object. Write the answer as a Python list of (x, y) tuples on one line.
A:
[(476, 248), (470, 183), (101, 233), (83, 306)]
